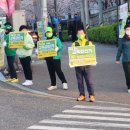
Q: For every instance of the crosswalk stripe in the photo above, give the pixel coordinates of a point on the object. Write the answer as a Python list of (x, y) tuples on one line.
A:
[(37, 127), (96, 113), (91, 117), (77, 123), (102, 108)]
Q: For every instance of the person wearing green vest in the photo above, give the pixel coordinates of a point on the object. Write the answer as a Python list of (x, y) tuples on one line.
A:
[(54, 63), (10, 53), (83, 72), (25, 54)]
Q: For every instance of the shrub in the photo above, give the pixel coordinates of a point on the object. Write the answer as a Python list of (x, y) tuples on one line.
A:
[(103, 34)]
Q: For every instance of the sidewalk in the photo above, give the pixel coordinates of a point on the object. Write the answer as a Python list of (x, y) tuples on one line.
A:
[(108, 78)]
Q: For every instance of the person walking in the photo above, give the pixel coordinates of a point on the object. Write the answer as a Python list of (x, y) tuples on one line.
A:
[(54, 63), (25, 54), (124, 50), (10, 53), (83, 72)]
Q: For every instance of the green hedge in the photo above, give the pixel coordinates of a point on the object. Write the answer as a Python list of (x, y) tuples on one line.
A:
[(103, 34)]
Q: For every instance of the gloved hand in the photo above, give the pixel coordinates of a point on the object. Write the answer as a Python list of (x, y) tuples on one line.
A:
[(56, 49), (24, 47)]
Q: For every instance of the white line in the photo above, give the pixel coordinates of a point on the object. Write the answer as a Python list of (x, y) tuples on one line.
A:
[(37, 127), (102, 108), (91, 117), (96, 113), (76, 123)]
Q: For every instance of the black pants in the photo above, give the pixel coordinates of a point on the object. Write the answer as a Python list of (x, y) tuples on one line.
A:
[(84, 73), (26, 64), (10, 60), (54, 66), (126, 67)]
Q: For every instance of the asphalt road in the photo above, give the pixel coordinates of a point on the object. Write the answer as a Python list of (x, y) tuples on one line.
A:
[(23, 108)]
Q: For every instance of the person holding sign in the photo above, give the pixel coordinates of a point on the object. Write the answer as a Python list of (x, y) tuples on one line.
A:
[(54, 63), (124, 50), (25, 54), (83, 71), (10, 53)]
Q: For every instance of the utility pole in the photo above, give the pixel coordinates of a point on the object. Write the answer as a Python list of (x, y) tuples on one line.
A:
[(44, 13), (56, 15), (100, 11), (86, 9)]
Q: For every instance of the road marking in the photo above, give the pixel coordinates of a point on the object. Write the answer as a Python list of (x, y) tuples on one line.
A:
[(37, 127), (62, 116), (96, 113), (102, 108), (77, 123), (98, 118)]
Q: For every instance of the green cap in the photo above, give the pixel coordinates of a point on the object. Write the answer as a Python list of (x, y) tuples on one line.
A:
[(7, 27), (48, 29)]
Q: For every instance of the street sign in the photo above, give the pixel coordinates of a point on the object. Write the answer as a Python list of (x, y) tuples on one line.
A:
[(46, 48), (16, 39), (81, 56)]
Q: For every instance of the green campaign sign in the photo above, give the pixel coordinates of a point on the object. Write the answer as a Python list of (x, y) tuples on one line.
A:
[(81, 56), (46, 48), (40, 28), (16, 39)]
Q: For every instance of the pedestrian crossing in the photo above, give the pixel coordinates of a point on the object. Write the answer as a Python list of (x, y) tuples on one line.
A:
[(82, 117)]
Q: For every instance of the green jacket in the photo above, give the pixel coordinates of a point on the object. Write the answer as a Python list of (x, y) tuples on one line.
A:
[(124, 50), (8, 51), (60, 46)]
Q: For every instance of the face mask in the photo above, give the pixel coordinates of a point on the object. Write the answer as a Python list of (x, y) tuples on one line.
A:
[(80, 37), (49, 35), (128, 33)]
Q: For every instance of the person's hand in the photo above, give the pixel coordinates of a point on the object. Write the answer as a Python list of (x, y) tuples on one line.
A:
[(70, 36), (56, 49), (117, 62)]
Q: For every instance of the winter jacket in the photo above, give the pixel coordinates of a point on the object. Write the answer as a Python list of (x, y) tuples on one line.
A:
[(124, 49), (27, 48), (8, 51), (59, 45)]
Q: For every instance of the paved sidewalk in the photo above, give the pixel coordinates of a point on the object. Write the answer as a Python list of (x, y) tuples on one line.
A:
[(108, 78)]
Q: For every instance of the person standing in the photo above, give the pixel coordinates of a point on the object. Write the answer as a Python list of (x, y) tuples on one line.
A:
[(124, 50), (83, 72), (10, 53), (25, 54), (54, 63), (74, 26)]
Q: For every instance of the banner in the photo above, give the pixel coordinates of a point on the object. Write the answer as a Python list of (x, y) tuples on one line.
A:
[(4, 6), (40, 29), (16, 39), (46, 48), (1, 48), (8, 6), (81, 56), (11, 5)]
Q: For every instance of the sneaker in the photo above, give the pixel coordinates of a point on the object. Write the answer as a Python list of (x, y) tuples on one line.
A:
[(81, 98), (27, 83), (14, 80), (91, 98), (65, 86), (128, 90), (52, 87), (8, 80)]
